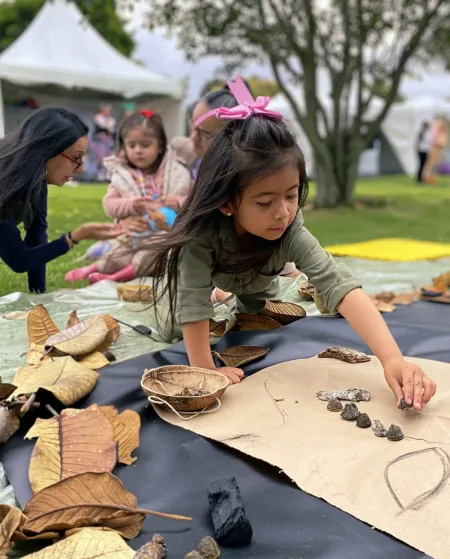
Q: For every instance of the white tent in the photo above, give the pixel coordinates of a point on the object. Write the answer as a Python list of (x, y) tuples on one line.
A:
[(61, 59)]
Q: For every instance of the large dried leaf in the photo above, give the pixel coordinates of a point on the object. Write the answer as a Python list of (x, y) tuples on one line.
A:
[(90, 499), (87, 544), (20, 536), (382, 306), (82, 338), (405, 298), (9, 424), (11, 518), (284, 313), (66, 379), (306, 290), (37, 354), (78, 441), (94, 361), (6, 389), (111, 323), (126, 431), (246, 321), (40, 326), (240, 354)]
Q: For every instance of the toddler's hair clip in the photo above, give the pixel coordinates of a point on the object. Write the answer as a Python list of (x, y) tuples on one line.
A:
[(147, 113), (247, 106)]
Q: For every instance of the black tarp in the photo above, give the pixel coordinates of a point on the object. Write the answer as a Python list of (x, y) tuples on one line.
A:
[(175, 466)]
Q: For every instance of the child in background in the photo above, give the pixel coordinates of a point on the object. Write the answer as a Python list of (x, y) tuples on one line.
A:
[(148, 185), (239, 226)]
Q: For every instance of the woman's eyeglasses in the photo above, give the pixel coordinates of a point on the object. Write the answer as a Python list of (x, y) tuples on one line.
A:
[(202, 135), (77, 162)]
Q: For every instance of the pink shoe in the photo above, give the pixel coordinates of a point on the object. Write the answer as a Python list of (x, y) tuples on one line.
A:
[(80, 273)]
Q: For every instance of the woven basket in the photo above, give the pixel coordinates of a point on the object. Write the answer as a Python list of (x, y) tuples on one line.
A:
[(135, 293), (205, 387)]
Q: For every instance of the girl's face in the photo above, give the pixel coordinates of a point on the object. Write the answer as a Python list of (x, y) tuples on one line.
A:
[(61, 169), (141, 148), (203, 134), (267, 206)]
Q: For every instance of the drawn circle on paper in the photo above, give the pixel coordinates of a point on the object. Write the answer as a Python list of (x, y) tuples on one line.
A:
[(424, 498)]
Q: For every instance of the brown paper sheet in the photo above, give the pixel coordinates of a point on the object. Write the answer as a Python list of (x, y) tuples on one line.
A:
[(401, 488)]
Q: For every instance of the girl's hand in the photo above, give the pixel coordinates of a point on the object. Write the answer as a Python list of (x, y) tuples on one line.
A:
[(171, 202), (410, 382), (234, 375), (142, 205), (137, 224)]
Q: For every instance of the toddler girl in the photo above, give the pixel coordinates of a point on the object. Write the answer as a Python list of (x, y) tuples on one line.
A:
[(239, 226), (149, 183)]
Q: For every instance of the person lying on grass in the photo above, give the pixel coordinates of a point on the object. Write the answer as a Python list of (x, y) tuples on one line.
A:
[(239, 226)]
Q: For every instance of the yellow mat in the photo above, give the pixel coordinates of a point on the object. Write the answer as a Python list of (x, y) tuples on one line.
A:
[(400, 250)]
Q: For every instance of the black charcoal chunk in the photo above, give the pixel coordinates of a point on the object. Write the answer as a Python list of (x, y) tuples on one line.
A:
[(231, 525)]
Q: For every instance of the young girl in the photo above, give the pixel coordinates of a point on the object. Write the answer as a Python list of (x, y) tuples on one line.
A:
[(149, 183), (238, 227)]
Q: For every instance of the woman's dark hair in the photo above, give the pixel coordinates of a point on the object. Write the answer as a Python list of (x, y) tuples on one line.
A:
[(152, 124), (24, 154), (221, 97), (244, 150)]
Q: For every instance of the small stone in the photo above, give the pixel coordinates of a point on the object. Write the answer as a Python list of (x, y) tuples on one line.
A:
[(345, 354), (156, 549), (206, 549), (334, 405), (404, 405), (350, 412), (363, 421), (378, 428), (395, 433)]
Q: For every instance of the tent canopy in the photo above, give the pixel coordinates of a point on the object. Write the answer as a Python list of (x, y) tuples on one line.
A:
[(61, 48)]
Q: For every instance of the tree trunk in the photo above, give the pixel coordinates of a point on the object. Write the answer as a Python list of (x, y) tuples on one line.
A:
[(329, 194)]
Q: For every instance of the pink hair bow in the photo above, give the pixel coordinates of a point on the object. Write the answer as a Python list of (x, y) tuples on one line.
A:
[(247, 105)]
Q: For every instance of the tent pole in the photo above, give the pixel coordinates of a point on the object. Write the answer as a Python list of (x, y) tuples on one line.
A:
[(2, 114)]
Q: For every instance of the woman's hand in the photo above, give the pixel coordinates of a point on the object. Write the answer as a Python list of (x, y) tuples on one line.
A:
[(234, 375), (133, 223), (98, 232), (408, 381)]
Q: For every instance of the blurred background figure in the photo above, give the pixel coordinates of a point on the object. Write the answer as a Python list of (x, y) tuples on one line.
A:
[(103, 137), (423, 147), (438, 140)]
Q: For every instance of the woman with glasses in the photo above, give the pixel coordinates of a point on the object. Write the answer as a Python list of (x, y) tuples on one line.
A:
[(47, 149)]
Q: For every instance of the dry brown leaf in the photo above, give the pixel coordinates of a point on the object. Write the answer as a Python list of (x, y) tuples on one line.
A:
[(284, 313), (320, 303), (82, 338), (66, 379), (6, 389), (15, 315), (306, 290), (73, 319), (9, 424), (135, 293), (246, 321), (94, 361), (442, 282), (405, 298), (126, 431), (113, 326), (35, 355), (78, 441), (11, 518), (88, 499), (219, 328), (239, 355), (87, 544), (20, 536), (384, 307), (40, 326)]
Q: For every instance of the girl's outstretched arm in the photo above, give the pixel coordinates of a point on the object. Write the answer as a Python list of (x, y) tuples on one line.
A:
[(196, 340), (405, 379)]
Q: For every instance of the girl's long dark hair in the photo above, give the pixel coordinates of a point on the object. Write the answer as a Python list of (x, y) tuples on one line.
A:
[(243, 151), (24, 154)]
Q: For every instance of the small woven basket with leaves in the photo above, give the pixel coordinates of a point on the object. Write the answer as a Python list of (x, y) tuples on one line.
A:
[(135, 293), (185, 389)]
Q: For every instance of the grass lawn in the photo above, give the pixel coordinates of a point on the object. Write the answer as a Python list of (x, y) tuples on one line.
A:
[(405, 210)]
